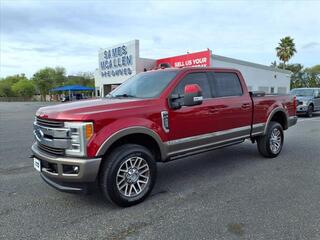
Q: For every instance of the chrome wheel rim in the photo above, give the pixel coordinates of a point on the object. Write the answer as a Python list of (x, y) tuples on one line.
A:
[(275, 140), (133, 176)]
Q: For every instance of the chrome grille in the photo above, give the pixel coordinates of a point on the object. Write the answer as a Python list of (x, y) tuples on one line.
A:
[(55, 151), (49, 123)]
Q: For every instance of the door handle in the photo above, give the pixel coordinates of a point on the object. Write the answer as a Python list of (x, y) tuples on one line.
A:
[(213, 109), (246, 106)]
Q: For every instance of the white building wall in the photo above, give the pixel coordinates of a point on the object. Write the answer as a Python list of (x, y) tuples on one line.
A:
[(113, 67), (258, 77), (147, 63)]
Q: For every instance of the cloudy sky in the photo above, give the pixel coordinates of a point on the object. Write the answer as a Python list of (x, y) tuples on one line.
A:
[(35, 34)]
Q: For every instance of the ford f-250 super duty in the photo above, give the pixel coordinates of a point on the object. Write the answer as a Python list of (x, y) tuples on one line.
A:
[(155, 116)]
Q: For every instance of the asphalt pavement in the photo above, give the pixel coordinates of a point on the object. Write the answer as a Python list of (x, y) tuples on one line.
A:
[(231, 193)]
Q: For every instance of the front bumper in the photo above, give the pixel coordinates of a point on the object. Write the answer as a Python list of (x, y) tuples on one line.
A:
[(292, 121), (302, 109), (64, 181)]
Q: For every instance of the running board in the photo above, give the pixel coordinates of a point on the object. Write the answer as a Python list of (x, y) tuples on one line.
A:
[(172, 158)]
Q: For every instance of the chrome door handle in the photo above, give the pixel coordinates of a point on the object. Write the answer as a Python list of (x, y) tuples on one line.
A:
[(245, 106)]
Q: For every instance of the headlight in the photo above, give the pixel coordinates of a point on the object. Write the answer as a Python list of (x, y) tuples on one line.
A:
[(305, 103), (80, 134)]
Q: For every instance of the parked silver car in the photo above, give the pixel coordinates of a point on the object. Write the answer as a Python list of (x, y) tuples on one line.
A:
[(308, 100)]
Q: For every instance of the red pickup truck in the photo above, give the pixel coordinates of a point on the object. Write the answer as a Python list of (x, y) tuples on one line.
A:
[(155, 116)]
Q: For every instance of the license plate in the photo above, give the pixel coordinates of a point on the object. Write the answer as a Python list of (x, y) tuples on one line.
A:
[(37, 164)]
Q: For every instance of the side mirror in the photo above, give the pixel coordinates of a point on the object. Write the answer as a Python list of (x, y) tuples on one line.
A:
[(192, 95)]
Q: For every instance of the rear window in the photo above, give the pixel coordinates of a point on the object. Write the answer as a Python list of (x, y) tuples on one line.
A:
[(226, 84)]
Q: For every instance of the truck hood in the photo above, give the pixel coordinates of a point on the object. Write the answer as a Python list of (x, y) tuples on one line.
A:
[(304, 98), (84, 110)]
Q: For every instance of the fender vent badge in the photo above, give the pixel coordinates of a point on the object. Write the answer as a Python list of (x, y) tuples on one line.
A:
[(165, 121)]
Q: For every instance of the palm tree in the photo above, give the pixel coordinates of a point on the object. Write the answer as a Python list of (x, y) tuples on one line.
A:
[(286, 49)]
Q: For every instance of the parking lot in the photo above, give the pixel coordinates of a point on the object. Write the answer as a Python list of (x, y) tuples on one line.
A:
[(231, 193)]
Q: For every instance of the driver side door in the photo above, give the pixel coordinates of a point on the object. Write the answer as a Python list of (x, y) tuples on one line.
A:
[(192, 120)]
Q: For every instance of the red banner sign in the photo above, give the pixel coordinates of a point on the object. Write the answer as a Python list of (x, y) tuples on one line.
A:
[(197, 59)]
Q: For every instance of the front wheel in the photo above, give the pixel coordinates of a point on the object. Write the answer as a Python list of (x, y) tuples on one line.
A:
[(270, 145), (128, 175), (309, 111)]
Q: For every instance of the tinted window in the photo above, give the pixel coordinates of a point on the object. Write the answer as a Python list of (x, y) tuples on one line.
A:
[(226, 84), (195, 78)]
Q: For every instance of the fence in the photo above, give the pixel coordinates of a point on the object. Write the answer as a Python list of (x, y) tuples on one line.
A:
[(16, 99)]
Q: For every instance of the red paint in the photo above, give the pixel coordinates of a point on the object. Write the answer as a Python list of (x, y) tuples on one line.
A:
[(214, 114), (197, 59)]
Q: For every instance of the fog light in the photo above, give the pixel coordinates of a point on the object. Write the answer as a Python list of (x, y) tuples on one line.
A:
[(75, 169), (70, 169)]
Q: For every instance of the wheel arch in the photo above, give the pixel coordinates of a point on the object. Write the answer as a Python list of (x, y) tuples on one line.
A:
[(311, 104), (277, 115), (136, 135)]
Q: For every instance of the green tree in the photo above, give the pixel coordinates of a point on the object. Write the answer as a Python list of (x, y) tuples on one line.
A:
[(6, 84), (5, 89), (84, 79), (286, 49), (60, 77), (23, 88), (313, 76), (48, 78), (273, 64), (297, 74), (315, 69), (303, 77)]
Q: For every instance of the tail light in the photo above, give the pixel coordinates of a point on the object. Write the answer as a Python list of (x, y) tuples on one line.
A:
[(295, 104)]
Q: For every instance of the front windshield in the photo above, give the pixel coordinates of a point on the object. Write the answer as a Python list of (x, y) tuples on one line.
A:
[(144, 85), (302, 92)]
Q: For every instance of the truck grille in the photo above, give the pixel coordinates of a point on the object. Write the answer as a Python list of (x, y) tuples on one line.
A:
[(51, 150), (49, 123)]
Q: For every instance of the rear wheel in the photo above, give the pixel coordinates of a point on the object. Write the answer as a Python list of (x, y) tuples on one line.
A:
[(128, 175), (270, 145), (309, 111)]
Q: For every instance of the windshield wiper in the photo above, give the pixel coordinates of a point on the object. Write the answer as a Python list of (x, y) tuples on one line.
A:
[(125, 96)]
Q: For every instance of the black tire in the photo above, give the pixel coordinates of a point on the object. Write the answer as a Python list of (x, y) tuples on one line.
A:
[(309, 111), (109, 174), (264, 142)]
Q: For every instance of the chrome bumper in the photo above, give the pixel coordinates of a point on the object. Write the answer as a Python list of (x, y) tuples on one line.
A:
[(88, 168), (302, 109)]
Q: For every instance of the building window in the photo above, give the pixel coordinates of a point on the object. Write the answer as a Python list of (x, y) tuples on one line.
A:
[(97, 91), (272, 90)]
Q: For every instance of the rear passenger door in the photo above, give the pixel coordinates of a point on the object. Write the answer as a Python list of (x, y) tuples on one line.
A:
[(231, 106)]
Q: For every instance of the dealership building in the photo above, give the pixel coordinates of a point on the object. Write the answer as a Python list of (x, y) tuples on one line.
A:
[(120, 62)]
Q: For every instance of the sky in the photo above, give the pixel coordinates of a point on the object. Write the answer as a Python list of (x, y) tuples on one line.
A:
[(36, 34)]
